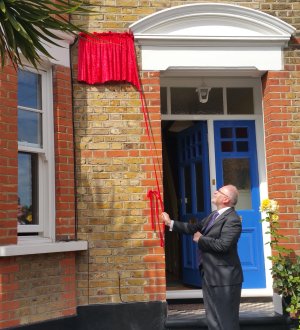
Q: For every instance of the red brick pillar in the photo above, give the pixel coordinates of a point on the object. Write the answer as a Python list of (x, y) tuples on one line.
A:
[(155, 274), (8, 155), (281, 122), (64, 153)]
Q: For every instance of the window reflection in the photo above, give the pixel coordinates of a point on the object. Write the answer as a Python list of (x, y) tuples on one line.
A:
[(241, 132), (29, 89), (27, 188), (29, 127), (186, 101), (226, 132), (163, 100), (227, 146), (240, 101), (29, 108), (236, 171)]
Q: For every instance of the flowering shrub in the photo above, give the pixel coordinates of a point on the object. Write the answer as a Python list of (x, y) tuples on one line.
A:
[(285, 263)]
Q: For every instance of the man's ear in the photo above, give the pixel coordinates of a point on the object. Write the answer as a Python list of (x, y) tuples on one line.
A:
[(226, 201)]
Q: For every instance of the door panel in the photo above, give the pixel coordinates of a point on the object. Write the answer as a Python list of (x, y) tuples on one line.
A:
[(236, 163), (194, 192)]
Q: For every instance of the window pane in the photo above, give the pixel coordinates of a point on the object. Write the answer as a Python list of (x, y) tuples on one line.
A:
[(163, 100), (227, 146), (186, 101), (241, 132), (29, 89), (242, 146), (236, 171), (226, 133), (27, 188), (30, 127), (240, 101)]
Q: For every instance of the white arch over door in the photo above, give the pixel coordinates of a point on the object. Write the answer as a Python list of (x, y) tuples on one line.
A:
[(212, 36)]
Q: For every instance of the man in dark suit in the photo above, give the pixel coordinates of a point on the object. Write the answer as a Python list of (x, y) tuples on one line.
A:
[(217, 236)]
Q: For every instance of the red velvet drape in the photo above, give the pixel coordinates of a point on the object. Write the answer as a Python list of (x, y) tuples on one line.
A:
[(107, 56)]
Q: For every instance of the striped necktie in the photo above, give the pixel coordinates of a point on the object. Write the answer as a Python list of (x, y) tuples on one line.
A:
[(206, 229), (210, 222)]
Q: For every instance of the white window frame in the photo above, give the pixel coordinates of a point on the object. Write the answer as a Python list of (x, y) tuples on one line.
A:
[(213, 82), (46, 163)]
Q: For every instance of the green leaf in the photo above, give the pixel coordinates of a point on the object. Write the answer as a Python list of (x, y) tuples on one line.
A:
[(25, 26)]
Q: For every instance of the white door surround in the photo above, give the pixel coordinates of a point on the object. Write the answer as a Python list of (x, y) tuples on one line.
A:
[(212, 36)]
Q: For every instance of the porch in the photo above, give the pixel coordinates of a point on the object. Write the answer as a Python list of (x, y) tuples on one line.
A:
[(255, 313)]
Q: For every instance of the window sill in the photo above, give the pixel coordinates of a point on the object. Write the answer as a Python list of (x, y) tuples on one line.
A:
[(36, 245)]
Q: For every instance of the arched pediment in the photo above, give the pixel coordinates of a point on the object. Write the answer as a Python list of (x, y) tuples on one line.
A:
[(211, 22), (212, 35)]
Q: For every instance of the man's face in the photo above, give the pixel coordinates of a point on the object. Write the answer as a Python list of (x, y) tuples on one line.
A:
[(219, 197)]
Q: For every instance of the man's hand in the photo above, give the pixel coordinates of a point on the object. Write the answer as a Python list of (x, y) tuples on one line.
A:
[(197, 236), (166, 218)]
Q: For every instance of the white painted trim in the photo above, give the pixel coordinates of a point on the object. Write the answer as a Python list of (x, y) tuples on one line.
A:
[(211, 21), (163, 57), (211, 35), (46, 160), (197, 293), (40, 246)]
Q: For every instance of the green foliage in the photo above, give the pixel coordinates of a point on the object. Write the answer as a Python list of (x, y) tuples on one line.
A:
[(25, 25), (285, 265), (286, 276)]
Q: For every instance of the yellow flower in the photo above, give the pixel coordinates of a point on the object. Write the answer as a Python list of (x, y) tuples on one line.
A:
[(269, 206), (264, 205)]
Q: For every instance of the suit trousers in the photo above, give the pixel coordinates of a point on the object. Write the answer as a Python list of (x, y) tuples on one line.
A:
[(222, 304)]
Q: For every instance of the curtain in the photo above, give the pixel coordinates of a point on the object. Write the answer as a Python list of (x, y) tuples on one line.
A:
[(108, 56)]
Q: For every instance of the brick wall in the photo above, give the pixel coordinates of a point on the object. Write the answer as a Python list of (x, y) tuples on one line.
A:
[(64, 155), (115, 170), (282, 122), (8, 156), (38, 287), (9, 305)]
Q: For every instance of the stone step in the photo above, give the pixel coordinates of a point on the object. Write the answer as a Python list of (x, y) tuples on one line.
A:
[(255, 314), (247, 322)]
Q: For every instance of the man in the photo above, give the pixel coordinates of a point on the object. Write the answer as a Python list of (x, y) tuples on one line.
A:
[(217, 236)]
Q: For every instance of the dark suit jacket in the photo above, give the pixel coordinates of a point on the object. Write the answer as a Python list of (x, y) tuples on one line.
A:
[(220, 260)]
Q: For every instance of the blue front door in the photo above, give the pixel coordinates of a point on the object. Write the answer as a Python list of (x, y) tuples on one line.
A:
[(194, 192), (236, 163)]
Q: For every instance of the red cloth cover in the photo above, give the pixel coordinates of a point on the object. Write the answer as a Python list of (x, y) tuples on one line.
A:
[(107, 56)]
